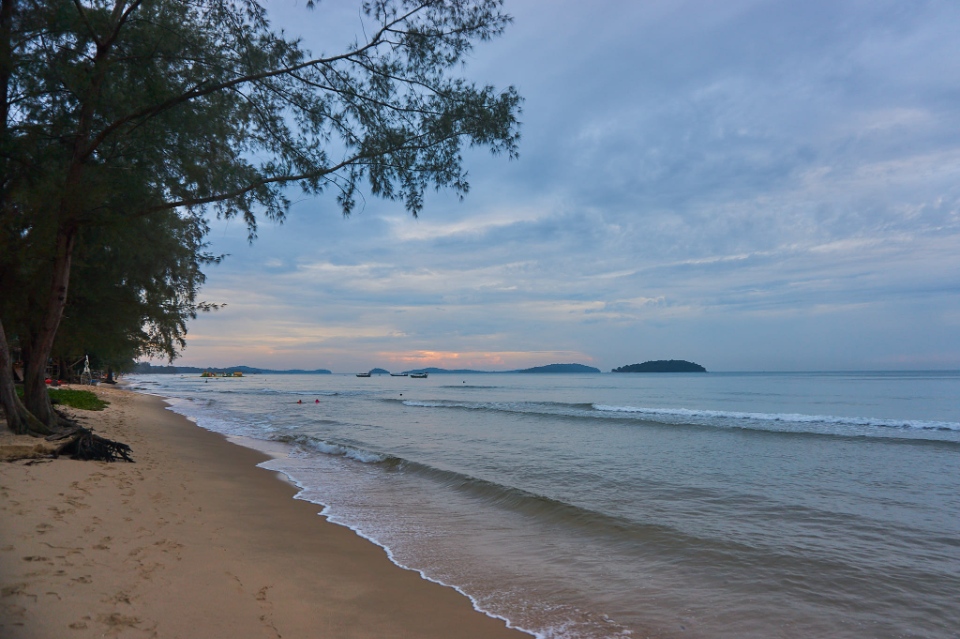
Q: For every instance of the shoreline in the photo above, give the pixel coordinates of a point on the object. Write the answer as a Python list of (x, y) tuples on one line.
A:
[(196, 540)]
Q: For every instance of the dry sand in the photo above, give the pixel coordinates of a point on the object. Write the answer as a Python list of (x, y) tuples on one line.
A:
[(194, 541)]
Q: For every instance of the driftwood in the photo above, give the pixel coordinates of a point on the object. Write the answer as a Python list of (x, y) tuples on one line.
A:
[(81, 443)]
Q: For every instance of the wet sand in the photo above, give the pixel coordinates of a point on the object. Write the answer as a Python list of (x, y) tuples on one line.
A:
[(194, 541)]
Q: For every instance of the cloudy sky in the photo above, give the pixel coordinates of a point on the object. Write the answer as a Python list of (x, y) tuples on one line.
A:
[(748, 184)]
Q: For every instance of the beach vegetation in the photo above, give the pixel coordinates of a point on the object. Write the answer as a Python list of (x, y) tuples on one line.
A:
[(126, 124), (81, 399), (74, 398)]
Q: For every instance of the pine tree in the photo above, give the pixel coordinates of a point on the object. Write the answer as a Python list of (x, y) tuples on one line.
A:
[(116, 111)]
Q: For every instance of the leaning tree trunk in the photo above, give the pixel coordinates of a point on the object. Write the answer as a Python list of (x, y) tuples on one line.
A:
[(35, 395), (19, 419)]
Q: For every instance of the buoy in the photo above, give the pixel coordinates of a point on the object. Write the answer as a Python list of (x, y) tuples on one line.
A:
[(316, 401)]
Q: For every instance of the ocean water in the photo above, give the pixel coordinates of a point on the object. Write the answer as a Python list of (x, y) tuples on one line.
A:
[(610, 505)]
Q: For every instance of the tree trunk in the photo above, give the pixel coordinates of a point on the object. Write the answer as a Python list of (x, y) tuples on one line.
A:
[(35, 394), (19, 419)]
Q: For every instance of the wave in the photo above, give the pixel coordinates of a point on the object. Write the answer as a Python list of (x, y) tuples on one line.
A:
[(470, 386), (342, 450), (547, 408), (296, 393), (793, 418), (787, 423), (489, 492), (628, 534)]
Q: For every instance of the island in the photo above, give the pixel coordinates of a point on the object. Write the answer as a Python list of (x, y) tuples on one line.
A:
[(560, 368), (379, 371), (662, 366)]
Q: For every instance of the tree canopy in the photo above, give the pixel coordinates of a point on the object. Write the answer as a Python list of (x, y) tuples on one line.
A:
[(137, 118)]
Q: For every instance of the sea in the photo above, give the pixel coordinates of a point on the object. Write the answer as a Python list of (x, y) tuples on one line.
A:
[(579, 506)]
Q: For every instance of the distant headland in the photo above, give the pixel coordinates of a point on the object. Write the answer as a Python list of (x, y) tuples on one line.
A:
[(560, 368), (662, 366), (145, 368), (549, 368)]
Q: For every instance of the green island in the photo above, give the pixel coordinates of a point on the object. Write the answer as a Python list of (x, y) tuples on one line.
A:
[(662, 366)]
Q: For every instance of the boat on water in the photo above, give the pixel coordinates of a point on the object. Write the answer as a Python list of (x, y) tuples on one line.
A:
[(363, 374), (418, 375), (398, 374)]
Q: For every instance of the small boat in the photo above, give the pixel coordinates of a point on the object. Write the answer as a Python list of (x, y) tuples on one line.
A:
[(398, 374), (418, 375), (363, 374)]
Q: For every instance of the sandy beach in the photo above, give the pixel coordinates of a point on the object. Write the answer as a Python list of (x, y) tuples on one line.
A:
[(194, 541)]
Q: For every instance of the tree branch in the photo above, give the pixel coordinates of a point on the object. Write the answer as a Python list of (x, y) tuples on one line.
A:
[(153, 110)]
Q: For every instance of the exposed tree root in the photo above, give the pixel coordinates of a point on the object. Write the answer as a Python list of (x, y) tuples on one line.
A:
[(81, 443)]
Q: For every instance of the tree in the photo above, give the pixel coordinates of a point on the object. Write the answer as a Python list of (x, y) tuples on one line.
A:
[(134, 287), (118, 110)]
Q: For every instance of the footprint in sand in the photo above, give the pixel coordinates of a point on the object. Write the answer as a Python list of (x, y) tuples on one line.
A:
[(76, 486), (16, 590), (147, 570), (104, 544), (76, 502), (58, 513), (267, 617), (116, 621), (167, 545)]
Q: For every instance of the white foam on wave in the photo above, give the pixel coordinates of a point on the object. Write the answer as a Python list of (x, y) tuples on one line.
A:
[(198, 411), (793, 418), (339, 450), (501, 406), (423, 404)]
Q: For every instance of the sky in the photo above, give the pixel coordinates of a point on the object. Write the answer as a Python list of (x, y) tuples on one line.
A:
[(751, 185)]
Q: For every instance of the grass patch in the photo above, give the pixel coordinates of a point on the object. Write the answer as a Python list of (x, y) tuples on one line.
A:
[(82, 399)]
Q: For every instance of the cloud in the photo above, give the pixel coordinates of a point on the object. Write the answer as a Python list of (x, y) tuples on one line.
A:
[(760, 183)]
